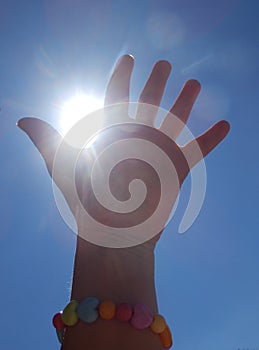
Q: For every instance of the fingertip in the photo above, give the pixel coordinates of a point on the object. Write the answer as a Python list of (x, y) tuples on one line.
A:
[(164, 65), (26, 122), (21, 123), (193, 84), (226, 126), (125, 59), (130, 56), (222, 129)]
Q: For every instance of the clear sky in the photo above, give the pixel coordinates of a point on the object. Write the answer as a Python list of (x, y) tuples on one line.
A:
[(208, 278)]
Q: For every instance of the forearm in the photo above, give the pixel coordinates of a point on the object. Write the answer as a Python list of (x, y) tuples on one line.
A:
[(118, 275)]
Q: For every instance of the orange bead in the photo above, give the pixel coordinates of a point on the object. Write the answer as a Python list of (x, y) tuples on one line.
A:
[(107, 310), (166, 338), (158, 325)]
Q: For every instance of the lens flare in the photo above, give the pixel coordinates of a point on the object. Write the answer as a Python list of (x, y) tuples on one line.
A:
[(76, 108)]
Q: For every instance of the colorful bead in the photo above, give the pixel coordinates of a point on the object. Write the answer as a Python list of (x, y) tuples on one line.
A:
[(57, 321), (107, 310), (60, 335), (124, 312), (166, 338), (69, 315), (158, 325), (87, 310), (142, 316)]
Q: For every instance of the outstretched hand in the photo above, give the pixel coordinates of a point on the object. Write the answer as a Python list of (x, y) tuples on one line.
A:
[(48, 141)]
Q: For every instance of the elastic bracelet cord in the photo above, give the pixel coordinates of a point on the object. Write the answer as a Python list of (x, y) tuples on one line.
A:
[(90, 309)]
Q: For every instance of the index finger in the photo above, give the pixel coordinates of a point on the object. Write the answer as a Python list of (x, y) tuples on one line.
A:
[(118, 87)]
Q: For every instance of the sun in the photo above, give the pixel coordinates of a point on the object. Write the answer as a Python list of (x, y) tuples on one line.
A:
[(76, 108)]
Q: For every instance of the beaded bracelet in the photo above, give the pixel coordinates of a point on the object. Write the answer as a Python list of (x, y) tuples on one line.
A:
[(88, 311)]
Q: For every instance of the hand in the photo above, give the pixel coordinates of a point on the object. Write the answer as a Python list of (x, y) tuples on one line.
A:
[(47, 140)]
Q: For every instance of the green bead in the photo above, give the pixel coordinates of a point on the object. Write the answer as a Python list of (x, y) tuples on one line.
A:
[(69, 315)]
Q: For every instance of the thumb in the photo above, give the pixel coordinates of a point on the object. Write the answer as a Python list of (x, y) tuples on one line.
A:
[(44, 137)]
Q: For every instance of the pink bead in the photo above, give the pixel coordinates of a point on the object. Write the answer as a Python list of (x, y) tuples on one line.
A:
[(123, 312), (142, 316), (57, 322)]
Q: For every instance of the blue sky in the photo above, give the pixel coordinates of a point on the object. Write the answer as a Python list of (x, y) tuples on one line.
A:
[(207, 279)]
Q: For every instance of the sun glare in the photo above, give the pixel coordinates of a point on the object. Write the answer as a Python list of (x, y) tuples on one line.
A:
[(76, 108)]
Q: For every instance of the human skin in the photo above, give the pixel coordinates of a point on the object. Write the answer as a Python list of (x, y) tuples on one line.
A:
[(125, 274)]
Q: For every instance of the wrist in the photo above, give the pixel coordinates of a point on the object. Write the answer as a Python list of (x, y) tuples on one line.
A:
[(125, 274)]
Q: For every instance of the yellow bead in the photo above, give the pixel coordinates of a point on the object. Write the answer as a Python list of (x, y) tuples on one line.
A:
[(166, 338), (107, 310), (158, 325), (69, 315)]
